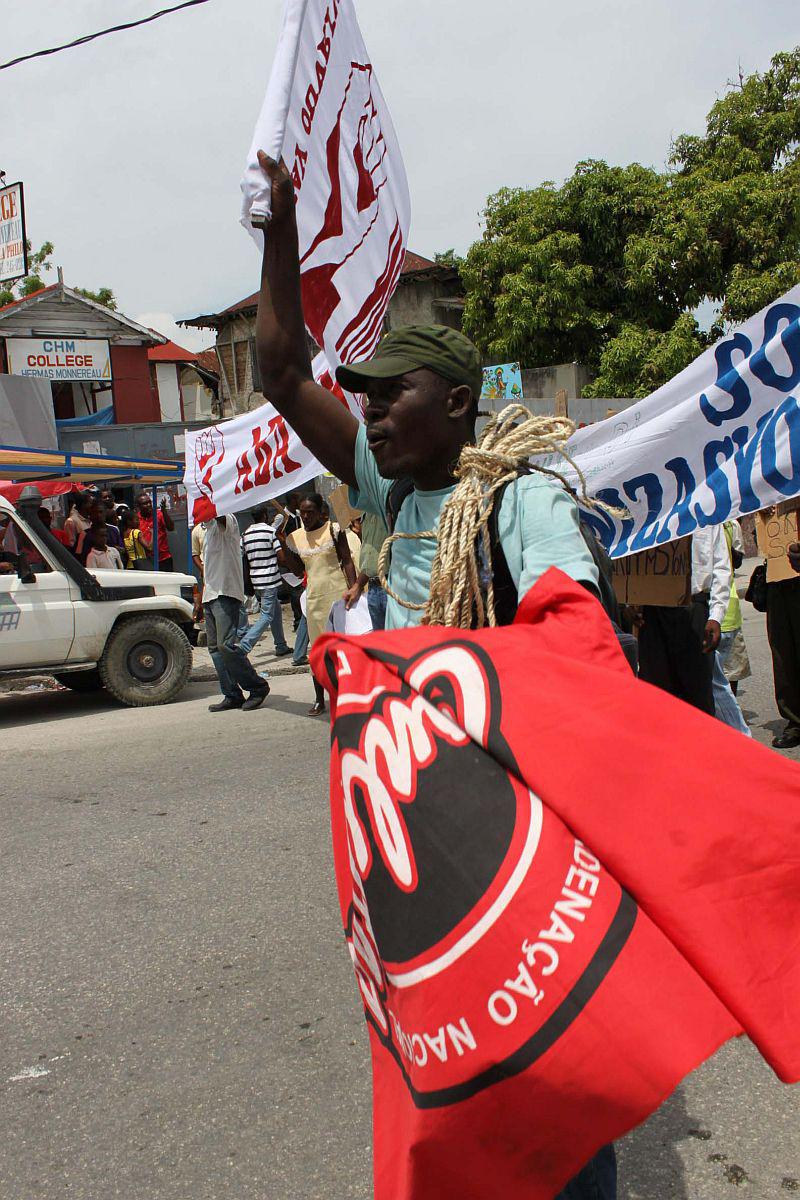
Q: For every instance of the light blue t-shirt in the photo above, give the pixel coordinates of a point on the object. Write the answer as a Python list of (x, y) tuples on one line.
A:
[(538, 524)]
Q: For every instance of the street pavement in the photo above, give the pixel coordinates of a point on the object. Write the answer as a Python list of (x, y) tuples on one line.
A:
[(180, 1020)]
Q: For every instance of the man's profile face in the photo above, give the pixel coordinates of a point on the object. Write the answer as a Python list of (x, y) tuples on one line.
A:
[(407, 422)]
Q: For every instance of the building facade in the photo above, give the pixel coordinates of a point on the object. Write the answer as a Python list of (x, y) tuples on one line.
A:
[(55, 332)]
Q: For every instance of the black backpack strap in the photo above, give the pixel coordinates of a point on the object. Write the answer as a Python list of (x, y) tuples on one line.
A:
[(506, 597), (399, 490)]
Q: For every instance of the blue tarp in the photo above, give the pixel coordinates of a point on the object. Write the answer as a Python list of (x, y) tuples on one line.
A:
[(104, 417)]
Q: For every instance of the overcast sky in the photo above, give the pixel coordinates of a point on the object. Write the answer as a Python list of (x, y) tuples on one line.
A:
[(131, 148)]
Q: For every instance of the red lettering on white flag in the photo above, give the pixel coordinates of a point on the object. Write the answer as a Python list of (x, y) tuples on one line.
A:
[(325, 114)]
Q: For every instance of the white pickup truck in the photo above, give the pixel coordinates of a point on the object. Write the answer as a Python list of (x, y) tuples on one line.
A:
[(126, 631)]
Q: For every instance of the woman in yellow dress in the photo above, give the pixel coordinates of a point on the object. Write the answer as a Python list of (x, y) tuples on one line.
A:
[(328, 556)]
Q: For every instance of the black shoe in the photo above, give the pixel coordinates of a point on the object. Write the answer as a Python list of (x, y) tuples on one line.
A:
[(224, 704), (786, 740), (301, 662), (255, 700), (286, 650)]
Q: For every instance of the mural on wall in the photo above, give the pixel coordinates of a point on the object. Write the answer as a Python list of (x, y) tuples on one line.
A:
[(502, 382)]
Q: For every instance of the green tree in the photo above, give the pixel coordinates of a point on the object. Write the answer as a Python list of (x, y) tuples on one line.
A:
[(608, 267), (103, 296), (448, 258), (38, 265)]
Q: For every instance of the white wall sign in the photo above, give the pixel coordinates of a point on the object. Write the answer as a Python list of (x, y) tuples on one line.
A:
[(59, 358), (13, 255)]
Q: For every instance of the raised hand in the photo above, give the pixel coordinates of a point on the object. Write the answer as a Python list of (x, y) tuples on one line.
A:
[(282, 193)]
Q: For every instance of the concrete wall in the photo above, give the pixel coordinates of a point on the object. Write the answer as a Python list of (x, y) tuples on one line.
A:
[(538, 383), (423, 300)]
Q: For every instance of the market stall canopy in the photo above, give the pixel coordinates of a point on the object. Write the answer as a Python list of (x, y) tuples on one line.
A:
[(18, 463)]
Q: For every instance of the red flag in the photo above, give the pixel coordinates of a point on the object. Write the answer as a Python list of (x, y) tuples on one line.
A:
[(561, 890)]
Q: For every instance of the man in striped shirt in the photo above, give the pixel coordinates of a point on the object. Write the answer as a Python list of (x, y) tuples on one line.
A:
[(261, 549)]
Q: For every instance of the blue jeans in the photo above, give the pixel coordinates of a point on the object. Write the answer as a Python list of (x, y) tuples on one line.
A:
[(376, 602), (726, 706), (269, 615), (235, 672), (300, 641), (597, 1180)]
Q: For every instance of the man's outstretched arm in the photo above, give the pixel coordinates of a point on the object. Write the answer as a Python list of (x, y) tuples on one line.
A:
[(320, 420)]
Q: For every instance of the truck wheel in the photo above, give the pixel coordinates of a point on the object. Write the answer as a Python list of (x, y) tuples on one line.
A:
[(81, 681), (147, 660)]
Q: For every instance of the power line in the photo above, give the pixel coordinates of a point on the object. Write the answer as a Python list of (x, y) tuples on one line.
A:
[(90, 37)]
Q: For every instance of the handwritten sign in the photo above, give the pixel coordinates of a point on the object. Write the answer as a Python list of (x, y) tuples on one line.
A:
[(342, 508), (776, 529), (661, 576)]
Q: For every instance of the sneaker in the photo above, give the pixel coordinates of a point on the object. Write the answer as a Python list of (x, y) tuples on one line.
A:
[(301, 662), (224, 704), (255, 700), (286, 650)]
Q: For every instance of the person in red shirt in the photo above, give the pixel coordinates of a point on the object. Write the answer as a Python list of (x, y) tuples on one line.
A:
[(165, 523)]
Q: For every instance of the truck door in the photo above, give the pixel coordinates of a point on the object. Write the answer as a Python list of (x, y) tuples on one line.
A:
[(37, 621)]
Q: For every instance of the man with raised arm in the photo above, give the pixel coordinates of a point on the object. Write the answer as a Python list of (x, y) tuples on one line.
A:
[(422, 388)]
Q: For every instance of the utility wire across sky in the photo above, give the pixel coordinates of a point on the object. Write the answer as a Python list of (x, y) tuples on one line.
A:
[(90, 37)]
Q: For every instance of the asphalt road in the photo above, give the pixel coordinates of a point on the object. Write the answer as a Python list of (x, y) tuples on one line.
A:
[(179, 1014)]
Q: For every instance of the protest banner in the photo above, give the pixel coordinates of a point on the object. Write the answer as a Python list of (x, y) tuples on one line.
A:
[(776, 530), (325, 114), (546, 936), (661, 576), (236, 464), (719, 440)]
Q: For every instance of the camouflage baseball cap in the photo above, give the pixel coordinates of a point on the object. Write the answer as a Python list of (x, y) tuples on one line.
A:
[(440, 349)]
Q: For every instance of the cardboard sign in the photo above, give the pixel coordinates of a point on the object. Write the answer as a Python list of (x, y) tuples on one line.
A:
[(776, 529), (661, 576), (340, 504)]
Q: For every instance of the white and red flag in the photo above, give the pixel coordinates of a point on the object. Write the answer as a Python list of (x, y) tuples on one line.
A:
[(324, 113)]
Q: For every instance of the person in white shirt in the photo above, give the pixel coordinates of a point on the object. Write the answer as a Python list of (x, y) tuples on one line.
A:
[(223, 597), (101, 554), (677, 645)]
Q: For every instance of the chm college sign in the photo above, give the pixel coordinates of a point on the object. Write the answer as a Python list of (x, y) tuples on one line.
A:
[(59, 358)]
